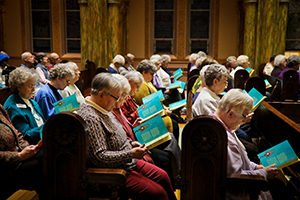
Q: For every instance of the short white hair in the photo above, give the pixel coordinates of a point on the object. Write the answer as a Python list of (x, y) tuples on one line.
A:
[(25, 55), (279, 59), (155, 58), (119, 59), (135, 77), (193, 57), (131, 56), (166, 57), (202, 54), (124, 82), (199, 62), (242, 59), (202, 71)]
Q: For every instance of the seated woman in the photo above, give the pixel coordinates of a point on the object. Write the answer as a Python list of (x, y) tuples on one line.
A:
[(60, 77), (72, 88), (279, 65), (126, 67), (110, 148), (19, 169), (233, 110), (292, 63), (147, 69), (160, 154), (41, 67), (25, 114)]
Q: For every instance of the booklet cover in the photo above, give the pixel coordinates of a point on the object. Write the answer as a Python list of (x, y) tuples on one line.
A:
[(268, 85), (158, 94), (176, 84), (257, 98), (282, 155), (179, 75), (150, 109), (178, 71), (250, 70), (69, 103), (178, 104), (153, 132)]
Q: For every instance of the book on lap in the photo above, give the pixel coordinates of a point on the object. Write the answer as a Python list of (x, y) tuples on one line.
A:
[(150, 109), (179, 85), (282, 155), (69, 103), (158, 94), (178, 104), (257, 98), (153, 132)]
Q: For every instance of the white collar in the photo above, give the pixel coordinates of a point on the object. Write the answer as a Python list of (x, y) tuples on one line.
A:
[(96, 106)]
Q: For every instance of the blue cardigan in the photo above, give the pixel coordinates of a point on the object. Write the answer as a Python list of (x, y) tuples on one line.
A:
[(23, 119), (45, 97)]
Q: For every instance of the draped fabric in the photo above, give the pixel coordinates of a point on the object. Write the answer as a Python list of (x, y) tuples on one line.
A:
[(264, 30)]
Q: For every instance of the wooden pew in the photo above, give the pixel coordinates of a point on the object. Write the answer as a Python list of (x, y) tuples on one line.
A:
[(275, 90), (190, 96), (240, 78), (274, 128), (4, 94), (204, 163), (290, 86), (65, 161)]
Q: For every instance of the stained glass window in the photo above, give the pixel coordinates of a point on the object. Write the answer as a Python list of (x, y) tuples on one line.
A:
[(72, 26), (293, 24)]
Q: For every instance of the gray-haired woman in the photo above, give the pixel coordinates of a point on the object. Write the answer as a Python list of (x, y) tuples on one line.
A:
[(25, 114), (60, 77)]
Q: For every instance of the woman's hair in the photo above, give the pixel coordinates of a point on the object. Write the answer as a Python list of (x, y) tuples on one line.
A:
[(214, 71), (124, 82), (21, 75), (193, 57), (155, 58), (199, 62), (127, 59), (279, 59), (105, 82), (201, 54), (241, 60), (72, 65), (292, 60), (61, 70), (135, 77), (237, 100), (146, 66), (119, 59), (207, 61), (230, 60), (165, 57), (40, 56)]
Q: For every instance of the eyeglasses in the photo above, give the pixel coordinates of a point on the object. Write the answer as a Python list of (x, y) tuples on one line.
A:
[(244, 116), (31, 86), (116, 98)]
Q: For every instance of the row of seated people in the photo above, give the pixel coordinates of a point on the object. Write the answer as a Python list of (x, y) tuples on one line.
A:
[(29, 116)]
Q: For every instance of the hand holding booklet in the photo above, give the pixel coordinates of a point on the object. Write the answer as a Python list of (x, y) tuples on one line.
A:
[(158, 94), (257, 98), (69, 103), (153, 132), (150, 109)]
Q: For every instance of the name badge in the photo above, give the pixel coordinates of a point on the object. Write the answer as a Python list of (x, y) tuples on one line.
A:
[(21, 105)]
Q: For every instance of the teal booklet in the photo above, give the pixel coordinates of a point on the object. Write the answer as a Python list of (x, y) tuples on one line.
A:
[(178, 104), (177, 76), (178, 71), (282, 155), (153, 132), (158, 94), (179, 85), (69, 103), (268, 85), (150, 109), (250, 70), (257, 98)]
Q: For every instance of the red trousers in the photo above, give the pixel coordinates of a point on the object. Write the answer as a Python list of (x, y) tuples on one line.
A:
[(147, 181)]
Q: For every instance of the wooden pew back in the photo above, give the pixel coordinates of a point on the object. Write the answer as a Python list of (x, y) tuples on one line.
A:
[(290, 86), (275, 90), (4, 94), (257, 83), (240, 78)]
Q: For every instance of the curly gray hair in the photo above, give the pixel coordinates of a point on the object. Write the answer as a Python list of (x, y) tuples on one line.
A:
[(21, 75), (215, 71), (61, 70)]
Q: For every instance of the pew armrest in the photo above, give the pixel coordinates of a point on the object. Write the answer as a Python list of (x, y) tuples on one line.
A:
[(106, 176), (251, 182)]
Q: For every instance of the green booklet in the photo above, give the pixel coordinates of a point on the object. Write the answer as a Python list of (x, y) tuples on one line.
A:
[(69, 103), (250, 70), (282, 155), (158, 94), (150, 109), (153, 132), (257, 98)]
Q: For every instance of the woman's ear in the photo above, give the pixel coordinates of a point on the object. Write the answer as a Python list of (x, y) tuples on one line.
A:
[(215, 81)]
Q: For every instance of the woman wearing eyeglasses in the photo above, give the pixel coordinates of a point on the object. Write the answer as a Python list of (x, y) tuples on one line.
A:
[(26, 115), (60, 77)]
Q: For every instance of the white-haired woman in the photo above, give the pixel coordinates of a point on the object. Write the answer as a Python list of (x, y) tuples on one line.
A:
[(72, 88), (279, 65), (242, 62), (118, 61), (192, 59), (60, 77), (25, 114), (161, 80)]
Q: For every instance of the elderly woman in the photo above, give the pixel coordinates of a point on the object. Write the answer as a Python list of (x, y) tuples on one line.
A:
[(166, 59), (234, 109), (110, 148), (25, 114), (60, 77), (19, 169), (126, 67), (192, 59), (231, 63), (41, 67), (161, 80), (216, 77), (292, 63), (118, 62), (72, 88), (160, 154), (279, 65), (242, 62)]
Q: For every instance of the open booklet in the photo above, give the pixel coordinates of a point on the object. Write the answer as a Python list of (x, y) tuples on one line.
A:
[(178, 104), (158, 94), (69, 103), (179, 85), (250, 70), (153, 132), (257, 98), (282, 155), (178, 73), (150, 109)]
